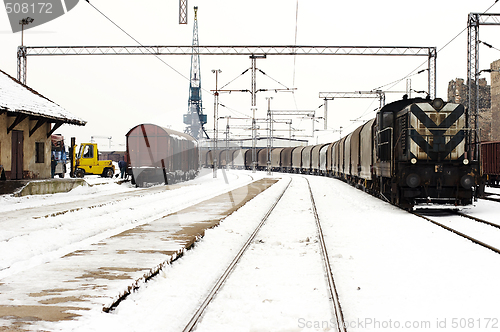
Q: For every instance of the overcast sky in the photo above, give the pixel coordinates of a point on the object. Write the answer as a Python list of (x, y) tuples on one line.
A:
[(115, 93)]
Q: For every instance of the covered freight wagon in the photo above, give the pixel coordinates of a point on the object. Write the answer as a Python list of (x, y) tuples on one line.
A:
[(316, 158), (286, 159), (161, 155), (490, 159), (297, 159), (276, 159), (239, 159)]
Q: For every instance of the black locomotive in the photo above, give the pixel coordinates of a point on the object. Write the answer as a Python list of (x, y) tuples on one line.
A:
[(422, 154)]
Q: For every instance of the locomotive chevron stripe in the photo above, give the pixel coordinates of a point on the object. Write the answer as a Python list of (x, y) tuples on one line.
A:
[(435, 129), (437, 141), (454, 142)]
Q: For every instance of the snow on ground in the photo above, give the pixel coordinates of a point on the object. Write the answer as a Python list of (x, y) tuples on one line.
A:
[(26, 241), (393, 270), (281, 278), (391, 266)]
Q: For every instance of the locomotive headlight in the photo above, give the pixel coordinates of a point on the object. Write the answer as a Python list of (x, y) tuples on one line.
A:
[(413, 161), (466, 161), (413, 180), (467, 181), (438, 103)]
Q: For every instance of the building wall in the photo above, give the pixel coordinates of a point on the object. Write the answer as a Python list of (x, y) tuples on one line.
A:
[(457, 93), (495, 101), (5, 143), (31, 169)]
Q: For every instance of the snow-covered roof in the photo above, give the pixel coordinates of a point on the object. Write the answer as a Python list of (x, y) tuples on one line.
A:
[(18, 98)]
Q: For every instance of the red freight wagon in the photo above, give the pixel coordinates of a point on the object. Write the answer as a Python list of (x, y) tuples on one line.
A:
[(160, 155), (490, 157)]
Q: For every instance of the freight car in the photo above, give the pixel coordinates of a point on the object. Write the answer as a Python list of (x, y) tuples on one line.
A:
[(286, 159), (160, 155), (490, 157)]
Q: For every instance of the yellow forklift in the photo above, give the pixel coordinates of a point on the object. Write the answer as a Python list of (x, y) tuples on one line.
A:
[(86, 161)]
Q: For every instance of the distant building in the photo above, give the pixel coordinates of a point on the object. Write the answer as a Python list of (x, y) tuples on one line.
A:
[(457, 93), (27, 121), (495, 101)]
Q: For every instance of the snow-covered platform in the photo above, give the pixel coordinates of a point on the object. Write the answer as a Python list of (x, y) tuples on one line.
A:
[(110, 268)]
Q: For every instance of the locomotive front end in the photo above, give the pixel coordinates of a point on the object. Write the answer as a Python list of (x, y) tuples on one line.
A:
[(434, 159)]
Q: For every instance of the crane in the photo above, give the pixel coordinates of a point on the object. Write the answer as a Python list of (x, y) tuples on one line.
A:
[(195, 119)]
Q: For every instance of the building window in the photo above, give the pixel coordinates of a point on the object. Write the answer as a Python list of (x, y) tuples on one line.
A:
[(39, 152)]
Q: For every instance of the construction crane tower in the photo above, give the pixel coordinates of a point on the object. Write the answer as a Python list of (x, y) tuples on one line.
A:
[(195, 119)]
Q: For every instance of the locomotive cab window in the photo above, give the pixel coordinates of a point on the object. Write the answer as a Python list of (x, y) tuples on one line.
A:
[(442, 117), (433, 117)]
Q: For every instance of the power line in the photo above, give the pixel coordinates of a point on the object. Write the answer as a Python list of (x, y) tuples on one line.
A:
[(138, 42), (489, 45), (442, 48)]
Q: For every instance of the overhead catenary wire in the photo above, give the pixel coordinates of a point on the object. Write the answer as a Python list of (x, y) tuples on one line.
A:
[(489, 45), (274, 80), (156, 56), (439, 50), (138, 42)]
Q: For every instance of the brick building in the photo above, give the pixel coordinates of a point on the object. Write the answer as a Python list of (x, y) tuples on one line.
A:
[(489, 102), (495, 101), (27, 121)]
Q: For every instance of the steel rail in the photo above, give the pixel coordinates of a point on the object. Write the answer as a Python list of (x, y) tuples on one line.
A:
[(476, 241), (476, 219), (486, 197), (222, 279), (334, 296), (491, 199)]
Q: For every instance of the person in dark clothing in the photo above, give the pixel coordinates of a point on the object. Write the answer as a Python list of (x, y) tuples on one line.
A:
[(123, 167), (53, 164)]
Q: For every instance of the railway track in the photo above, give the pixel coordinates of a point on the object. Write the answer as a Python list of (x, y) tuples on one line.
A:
[(482, 231), (219, 284), (334, 296), (488, 198)]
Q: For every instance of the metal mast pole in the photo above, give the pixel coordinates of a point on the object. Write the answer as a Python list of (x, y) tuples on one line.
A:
[(227, 142), (269, 135), (254, 108), (216, 117), (472, 68), (326, 114), (473, 23), (408, 87), (254, 140)]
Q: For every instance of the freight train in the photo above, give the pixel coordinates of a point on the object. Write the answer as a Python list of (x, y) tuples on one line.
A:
[(414, 151), (158, 155)]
